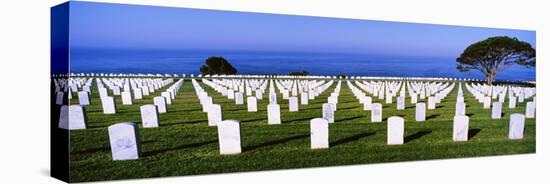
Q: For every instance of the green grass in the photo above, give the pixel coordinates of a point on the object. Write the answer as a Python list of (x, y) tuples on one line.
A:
[(185, 145)]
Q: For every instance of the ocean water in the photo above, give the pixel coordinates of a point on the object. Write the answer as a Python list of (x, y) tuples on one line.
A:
[(264, 62)]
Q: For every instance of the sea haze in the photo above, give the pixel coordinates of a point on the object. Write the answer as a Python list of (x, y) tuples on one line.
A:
[(87, 60)]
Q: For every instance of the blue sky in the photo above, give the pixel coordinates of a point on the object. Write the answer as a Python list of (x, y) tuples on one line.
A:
[(99, 25)]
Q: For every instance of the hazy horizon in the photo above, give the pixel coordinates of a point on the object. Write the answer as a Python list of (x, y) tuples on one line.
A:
[(123, 38)]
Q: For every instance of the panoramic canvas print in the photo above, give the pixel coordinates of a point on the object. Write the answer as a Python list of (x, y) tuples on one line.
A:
[(146, 91)]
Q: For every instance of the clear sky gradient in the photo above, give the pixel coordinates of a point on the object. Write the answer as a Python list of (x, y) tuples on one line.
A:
[(98, 25)]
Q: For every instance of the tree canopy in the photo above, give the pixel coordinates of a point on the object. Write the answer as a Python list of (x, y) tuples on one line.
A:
[(302, 73), (495, 54), (217, 66)]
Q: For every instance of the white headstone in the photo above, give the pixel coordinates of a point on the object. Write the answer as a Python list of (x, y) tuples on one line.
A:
[(252, 104), (214, 114), (414, 99), (293, 104), (304, 99), (259, 95), (460, 109), (431, 102), (126, 98), (396, 130), (149, 116), (517, 125), (319, 133), (167, 97), (487, 102), (512, 102), (273, 98), (230, 94), (206, 101), (160, 102), (376, 112), (125, 141), (273, 114), (239, 99), (328, 112), (59, 98), (138, 94), (229, 136), (400, 103), (530, 110), (116, 91), (108, 105), (145, 90), (367, 103), (497, 110), (72, 117), (420, 114), (333, 100), (83, 98), (459, 99), (460, 128), (389, 99)]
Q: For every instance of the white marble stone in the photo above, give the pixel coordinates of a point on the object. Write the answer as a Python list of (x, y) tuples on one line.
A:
[(376, 113), (137, 94), (389, 99), (293, 104), (229, 137), (252, 104), (530, 110), (396, 130), (75, 117), (511, 102), (103, 92), (160, 102), (333, 100), (319, 133), (145, 91), (108, 104), (420, 114), (239, 99), (496, 111), (214, 114), (167, 97), (273, 114), (149, 116), (487, 102), (431, 102), (328, 112), (126, 98), (125, 141), (516, 126), (400, 103), (206, 101), (367, 103), (460, 128), (259, 95), (414, 99), (59, 98), (459, 99), (116, 91), (230, 94), (460, 109), (83, 98), (273, 98), (304, 99)]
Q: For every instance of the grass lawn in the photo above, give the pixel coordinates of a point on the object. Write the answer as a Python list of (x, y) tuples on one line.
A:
[(185, 145)]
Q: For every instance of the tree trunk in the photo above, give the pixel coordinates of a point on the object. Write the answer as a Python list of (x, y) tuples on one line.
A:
[(490, 78)]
